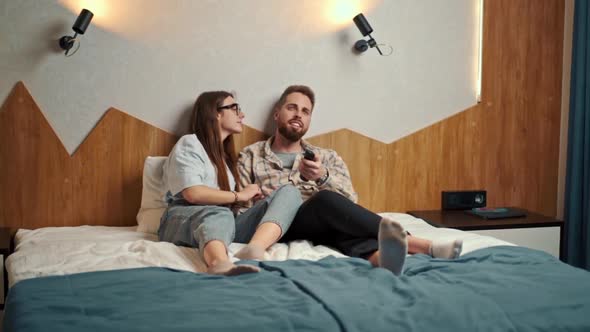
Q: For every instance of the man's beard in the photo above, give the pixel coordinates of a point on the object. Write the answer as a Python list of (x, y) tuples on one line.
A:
[(291, 135)]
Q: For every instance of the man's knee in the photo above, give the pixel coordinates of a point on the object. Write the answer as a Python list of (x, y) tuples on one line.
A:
[(328, 196)]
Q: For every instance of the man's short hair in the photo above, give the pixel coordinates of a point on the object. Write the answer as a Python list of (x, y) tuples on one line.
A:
[(303, 89)]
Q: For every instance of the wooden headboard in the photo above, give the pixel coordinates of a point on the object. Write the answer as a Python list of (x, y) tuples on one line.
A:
[(100, 184), (42, 185)]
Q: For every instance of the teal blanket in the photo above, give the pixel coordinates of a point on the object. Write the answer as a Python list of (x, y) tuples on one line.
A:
[(493, 289)]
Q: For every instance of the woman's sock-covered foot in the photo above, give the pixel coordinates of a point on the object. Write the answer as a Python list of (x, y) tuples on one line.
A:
[(251, 252), (446, 249)]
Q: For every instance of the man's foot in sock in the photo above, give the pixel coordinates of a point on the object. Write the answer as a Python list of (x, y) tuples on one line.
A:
[(393, 246), (230, 269), (251, 252), (446, 249)]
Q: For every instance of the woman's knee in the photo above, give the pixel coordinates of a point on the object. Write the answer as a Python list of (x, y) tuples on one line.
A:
[(289, 191), (219, 217), (217, 224), (220, 210)]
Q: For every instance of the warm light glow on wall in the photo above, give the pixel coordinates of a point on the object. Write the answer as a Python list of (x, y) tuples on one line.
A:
[(153, 22), (340, 12), (120, 17), (480, 52), (99, 8)]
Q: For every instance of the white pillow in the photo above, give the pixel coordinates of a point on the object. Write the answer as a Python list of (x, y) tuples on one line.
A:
[(152, 196)]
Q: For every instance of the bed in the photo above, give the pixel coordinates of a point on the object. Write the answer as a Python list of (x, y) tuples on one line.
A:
[(84, 262), (94, 278)]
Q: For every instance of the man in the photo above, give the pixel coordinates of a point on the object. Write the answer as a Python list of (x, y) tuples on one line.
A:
[(329, 215)]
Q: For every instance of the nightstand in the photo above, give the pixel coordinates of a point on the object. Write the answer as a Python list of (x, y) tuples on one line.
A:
[(534, 231), (5, 250)]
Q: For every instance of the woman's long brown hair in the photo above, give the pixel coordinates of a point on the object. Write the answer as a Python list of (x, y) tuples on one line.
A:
[(206, 126)]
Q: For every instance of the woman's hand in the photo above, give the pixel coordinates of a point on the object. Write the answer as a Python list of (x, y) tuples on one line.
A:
[(264, 194), (248, 193)]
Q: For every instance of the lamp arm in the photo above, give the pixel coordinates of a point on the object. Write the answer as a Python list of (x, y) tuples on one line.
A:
[(73, 40), (373, 43), (378, 49)]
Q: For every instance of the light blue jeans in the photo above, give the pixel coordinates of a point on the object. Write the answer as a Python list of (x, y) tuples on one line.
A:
[(196, 225)]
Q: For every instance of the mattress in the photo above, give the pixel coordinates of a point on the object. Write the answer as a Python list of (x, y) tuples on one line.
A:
[(55, 251)]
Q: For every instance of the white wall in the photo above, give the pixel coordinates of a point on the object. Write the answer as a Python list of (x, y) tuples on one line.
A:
[(151, 59)]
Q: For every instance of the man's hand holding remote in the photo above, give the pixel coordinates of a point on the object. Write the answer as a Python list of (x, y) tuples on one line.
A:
[(311, 168)]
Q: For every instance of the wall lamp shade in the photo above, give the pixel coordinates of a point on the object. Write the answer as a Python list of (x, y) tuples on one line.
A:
[(82, 22), (362, 24), (365, 28)]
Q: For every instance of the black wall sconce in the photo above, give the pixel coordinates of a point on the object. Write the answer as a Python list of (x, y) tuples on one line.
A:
[(79, 27), (365, 28)]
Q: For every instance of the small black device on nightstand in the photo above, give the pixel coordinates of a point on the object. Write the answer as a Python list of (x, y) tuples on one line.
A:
[(463, 200)]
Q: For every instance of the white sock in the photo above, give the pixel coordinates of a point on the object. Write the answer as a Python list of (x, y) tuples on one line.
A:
[(393, 246), (251, 252), (446, 249)]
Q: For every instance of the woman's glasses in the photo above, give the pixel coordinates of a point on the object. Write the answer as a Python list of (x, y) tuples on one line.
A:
[(234, 107)]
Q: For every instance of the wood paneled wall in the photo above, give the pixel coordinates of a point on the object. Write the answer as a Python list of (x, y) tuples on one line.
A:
[(519, 118), (42, 185), (508, 144)]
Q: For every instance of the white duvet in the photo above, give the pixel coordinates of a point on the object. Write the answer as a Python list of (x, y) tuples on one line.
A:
[(66, 250)]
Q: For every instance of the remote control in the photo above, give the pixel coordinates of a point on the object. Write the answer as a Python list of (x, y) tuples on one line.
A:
[(309, 155)]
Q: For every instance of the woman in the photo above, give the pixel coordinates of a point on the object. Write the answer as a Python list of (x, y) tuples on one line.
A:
[(201, 174)]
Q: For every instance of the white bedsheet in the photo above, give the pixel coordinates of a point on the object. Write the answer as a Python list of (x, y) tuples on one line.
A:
[(66, 250)]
